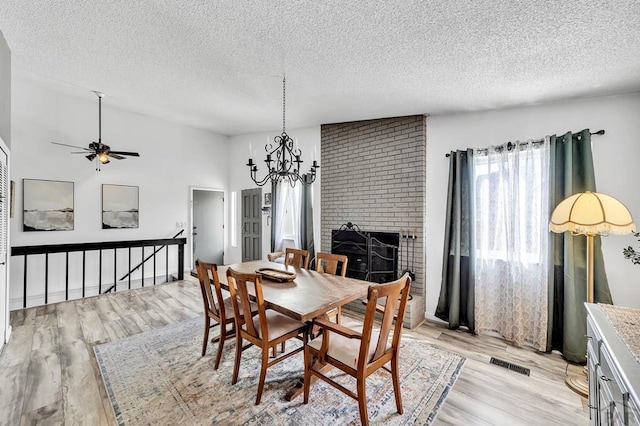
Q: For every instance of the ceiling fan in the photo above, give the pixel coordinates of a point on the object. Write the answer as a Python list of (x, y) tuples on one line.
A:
[(97, 150)]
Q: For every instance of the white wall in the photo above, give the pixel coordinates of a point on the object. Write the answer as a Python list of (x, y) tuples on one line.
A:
[(616, 158), (308, 138), (5, 91), (173, 157)]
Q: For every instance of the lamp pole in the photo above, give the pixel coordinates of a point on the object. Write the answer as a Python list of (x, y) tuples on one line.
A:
[(580, 383), (590, 257)]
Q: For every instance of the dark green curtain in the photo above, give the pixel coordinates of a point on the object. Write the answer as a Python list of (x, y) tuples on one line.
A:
[(306, 216), (571, 172), (274, 198), (456, 301)]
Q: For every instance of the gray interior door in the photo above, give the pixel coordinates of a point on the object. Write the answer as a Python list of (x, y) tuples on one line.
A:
[(208, 226), (251, 224)]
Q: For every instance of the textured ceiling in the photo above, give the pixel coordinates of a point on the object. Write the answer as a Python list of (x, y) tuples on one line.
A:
[(219, 64)]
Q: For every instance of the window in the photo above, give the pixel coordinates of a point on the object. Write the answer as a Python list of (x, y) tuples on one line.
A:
[(511, 204), (287, 215), (291, 212), (234, 238)]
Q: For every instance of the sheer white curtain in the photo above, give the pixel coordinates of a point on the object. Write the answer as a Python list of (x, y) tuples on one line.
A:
[(511, 205), (295, 205), (287, 215), (278, 216)]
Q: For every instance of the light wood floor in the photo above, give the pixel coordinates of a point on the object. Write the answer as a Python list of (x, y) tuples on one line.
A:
[(48, 373)]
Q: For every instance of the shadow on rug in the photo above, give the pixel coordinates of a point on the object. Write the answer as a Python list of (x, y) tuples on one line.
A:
[(159, 378)]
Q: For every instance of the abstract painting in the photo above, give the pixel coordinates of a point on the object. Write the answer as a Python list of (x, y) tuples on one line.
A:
[(119, 206), (47, 205)]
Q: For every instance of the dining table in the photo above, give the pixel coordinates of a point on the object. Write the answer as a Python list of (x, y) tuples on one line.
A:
[(309, 295)]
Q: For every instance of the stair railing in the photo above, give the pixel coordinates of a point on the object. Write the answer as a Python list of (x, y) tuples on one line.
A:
[(102, 247), (141, 265)]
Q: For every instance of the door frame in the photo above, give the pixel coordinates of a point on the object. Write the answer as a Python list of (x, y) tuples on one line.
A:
[(225, 221), (4, 310)]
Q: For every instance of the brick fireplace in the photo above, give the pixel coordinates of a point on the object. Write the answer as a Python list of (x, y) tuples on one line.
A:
[(373, 174)]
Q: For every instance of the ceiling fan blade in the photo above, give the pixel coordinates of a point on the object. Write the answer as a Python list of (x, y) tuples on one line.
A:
[(133, 154), (72, 146), (90, 157), (79, 152), (116, 156)]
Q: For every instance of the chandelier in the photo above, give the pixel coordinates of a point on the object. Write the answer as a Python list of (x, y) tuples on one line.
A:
[(283, 158)]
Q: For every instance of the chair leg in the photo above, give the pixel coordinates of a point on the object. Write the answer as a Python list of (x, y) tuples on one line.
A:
[(339, 315), (236, 367), (274, 350), (263, 374), (362, 400), (207, 325), (395, 374), (223, 335)]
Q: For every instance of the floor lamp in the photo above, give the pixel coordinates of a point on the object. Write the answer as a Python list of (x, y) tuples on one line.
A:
[(590, 213)]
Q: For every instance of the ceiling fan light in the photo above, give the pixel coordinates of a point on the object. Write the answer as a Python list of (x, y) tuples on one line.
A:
[(97, 150)]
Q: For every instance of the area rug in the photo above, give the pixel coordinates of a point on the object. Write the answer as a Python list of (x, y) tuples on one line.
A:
[(159, 378)]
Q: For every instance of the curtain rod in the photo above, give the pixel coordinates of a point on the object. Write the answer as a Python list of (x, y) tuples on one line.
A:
[(599, 132)]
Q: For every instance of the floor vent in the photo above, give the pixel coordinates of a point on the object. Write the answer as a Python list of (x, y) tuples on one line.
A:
[(510, 366)]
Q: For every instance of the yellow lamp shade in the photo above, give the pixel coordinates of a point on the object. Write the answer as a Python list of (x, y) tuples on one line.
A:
[(591, 213)]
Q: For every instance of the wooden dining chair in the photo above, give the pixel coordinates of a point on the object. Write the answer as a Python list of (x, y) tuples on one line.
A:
[(265, 330), (361, 353), (216, 307), (296, 257), (328, 263)]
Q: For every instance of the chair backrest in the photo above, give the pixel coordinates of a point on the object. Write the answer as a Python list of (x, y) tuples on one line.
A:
[(296, 257), (328, 263), (240, 296), (395, 294), (213, 301)]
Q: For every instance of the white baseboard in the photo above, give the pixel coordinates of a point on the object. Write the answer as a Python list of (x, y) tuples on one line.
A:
[(7, 334)]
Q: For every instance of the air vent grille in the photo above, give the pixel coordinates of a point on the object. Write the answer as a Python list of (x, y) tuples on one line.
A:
[(510, 366)]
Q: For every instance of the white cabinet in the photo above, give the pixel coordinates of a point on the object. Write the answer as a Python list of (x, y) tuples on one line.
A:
[(614, 373)]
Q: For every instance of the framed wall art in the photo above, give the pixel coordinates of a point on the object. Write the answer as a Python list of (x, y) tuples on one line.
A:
[(120, 206), (47, 205)]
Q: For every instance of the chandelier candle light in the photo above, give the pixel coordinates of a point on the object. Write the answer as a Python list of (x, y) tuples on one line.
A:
[(285, 156)]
